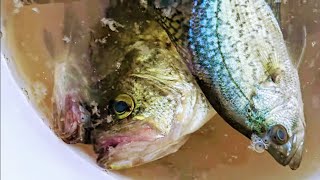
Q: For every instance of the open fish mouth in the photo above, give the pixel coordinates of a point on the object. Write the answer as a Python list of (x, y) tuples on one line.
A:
[(135, 147), (117, 151)]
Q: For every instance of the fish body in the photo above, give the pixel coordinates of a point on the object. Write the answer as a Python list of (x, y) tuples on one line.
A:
[(243, 67), (237, 53), (147, 103)]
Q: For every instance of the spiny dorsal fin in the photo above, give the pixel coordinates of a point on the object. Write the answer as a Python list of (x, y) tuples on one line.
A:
[(174, 17)]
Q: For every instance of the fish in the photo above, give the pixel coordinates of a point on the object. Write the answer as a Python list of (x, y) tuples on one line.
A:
[(71, 95), (237, 53), (133, 99)]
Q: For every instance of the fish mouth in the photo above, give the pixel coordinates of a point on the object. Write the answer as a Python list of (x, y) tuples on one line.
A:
[(296, 159), (70, 118), (290, 153), (123, 150)]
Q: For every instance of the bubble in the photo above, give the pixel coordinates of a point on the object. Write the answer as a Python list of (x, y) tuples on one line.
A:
[(259, 147), (258, 144)]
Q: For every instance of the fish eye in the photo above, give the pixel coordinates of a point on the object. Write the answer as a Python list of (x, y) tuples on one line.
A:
[(279, 135), (123, 106)]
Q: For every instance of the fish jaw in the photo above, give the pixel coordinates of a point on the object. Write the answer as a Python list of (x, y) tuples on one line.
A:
[(297, 157), (134, 148)]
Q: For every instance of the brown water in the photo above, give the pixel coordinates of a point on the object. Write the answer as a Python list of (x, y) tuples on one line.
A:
[(33, 42)]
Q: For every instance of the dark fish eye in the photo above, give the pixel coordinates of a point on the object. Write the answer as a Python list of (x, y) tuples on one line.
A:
[(123, 106), (120, 107), (279, 134)]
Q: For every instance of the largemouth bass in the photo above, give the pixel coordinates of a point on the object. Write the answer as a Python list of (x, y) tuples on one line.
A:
[(237, 52), (134, 100)]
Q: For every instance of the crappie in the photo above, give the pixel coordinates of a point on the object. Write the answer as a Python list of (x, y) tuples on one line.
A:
[(147, 103), (247, 74), (236, 51)]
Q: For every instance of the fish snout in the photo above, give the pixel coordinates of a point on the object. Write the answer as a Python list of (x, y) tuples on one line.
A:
[(290, 153)]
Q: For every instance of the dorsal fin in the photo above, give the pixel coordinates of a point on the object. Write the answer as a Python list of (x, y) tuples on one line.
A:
[(174, 17)]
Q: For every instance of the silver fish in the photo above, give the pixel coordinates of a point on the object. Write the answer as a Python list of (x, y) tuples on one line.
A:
[(244, 68), (237, 52)]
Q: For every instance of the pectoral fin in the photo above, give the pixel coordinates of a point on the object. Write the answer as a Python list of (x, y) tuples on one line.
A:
[(174, 18)]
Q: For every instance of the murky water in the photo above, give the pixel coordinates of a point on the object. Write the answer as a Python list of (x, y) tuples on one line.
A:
[(35, 37)]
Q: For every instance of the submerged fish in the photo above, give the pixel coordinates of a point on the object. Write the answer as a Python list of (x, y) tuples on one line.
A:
[(70, 94), (236, 51), (146, 102)]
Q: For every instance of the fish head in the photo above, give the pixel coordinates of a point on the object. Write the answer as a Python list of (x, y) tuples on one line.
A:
[(134, 100), (71, 91), (287, 150), (283, 128), (152, 107)]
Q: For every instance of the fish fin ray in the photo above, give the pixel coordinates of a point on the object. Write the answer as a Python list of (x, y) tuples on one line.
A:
[(271, 64), (176, 24)]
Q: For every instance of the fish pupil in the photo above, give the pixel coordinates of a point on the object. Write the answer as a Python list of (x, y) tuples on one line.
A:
[(121, 106), (281, 135)]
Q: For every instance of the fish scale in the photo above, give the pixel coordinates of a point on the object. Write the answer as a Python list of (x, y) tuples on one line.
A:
[(219, 76)]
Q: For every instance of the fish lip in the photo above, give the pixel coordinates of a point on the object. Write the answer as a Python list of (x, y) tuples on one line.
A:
[(295, 160), (118, 141), (295, 157)]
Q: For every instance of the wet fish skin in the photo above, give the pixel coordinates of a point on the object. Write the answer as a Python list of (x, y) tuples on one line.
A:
[(242, 65), (138, 64), (168, 105)]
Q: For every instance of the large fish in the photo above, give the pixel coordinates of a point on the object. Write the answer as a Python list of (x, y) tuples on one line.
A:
[(134, 100), (236, 50)]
